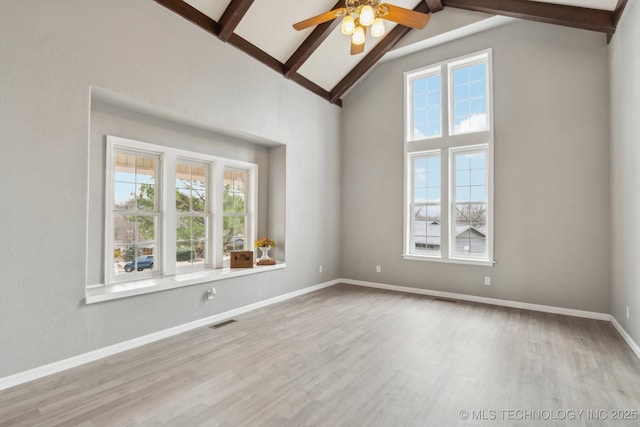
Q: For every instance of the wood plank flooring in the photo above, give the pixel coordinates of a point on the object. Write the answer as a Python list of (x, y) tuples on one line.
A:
[(351, 356)]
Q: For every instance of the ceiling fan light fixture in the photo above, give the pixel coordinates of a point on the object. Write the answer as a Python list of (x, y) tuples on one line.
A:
[(366, 15), (377, 28), (358, 36), (348, 25)]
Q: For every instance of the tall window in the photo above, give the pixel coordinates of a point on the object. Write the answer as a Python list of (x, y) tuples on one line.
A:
[(425, 203), (193, 217), (449, 158), (470, 201), (235, 211), (135, 212), (160, 210)]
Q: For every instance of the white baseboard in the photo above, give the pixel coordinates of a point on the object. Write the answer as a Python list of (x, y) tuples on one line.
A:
[(625, 336), (484, 300), (52, 368)]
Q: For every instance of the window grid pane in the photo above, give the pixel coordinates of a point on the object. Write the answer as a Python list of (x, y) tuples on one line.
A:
[(470, 107), (427, 107), (191, 240), (470, 204)]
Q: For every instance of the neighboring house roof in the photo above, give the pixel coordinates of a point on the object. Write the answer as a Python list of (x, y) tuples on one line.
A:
[(428, 232)]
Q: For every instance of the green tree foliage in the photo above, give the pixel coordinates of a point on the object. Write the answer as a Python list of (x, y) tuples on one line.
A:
[(233, 226), (131, 253), (190, 198)]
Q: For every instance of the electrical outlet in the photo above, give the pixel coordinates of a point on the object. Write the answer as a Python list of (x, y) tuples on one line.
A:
[(211, 293), (487, 281), (320, 269), (627, 312), (377, 269)]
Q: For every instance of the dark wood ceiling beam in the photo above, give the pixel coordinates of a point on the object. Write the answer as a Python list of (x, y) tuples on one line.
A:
[(232, 16), (617, 14), (256, 53), (569, 16), (434, 5), (192, 14), (311, 43), (372, 57)]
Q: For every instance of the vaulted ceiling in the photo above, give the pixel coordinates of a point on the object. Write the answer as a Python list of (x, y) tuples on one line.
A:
[(318, 58)]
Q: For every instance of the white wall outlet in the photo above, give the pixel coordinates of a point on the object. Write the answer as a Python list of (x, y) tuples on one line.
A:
[(627, 312), (377, 269), (487, 281), (211, 293), (320, 269)]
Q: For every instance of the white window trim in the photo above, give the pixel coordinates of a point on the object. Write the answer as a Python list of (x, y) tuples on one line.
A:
[(445, 143), (167, 275)]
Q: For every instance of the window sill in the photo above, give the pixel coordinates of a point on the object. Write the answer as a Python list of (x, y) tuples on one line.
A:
[(102, 293), (413, 257)]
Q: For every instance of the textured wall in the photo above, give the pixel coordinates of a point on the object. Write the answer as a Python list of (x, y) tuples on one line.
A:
[(551, 171), (52, 52), (625, 170)]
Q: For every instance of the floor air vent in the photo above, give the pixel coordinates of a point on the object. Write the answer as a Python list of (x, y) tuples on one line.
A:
[(221, 324)]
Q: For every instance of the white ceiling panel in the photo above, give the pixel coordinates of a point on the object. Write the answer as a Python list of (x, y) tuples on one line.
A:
[(593, 4), (269, 24), (212, 8)]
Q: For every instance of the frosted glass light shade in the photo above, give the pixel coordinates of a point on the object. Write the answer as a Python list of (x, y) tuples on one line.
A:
[(358, 36), (377, 29), (366, 16), (348, 25)]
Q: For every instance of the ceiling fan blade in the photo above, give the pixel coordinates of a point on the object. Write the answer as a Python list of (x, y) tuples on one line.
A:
[(327, 16), (357, 48), (406, 17)]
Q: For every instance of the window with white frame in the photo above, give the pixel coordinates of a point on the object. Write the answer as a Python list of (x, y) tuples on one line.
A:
[(161, 204), (449, 161), (193, 214), (236, 213)]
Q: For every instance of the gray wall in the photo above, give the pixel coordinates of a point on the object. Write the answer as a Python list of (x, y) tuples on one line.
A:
[(625, 170), (52, 52), (551, 171)]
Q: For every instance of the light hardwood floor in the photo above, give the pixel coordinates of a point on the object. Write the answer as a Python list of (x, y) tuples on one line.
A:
[(351, 356)]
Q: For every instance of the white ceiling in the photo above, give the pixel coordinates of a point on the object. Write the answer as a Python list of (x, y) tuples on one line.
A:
[(268, 26)]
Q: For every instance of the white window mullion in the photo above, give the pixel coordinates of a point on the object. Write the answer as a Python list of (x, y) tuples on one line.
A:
[(252, 203), (170, 215), (218, 213), (445, 195)]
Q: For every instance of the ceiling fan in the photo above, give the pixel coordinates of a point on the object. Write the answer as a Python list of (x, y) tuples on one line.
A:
[(360, 14)]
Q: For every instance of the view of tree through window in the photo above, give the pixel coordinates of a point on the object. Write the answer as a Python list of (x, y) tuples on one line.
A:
[(135, 213), (192, 217), (235, 211)]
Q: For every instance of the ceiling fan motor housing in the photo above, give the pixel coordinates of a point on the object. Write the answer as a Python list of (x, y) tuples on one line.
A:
[(354, 6)]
